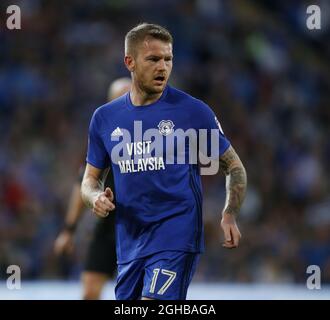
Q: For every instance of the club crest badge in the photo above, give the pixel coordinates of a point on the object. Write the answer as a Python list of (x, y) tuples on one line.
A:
[(165, 127)]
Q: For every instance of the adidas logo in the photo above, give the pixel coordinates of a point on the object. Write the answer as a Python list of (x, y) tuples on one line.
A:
[(117, 132)]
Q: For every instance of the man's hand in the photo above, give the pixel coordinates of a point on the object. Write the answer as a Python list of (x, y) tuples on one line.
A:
[(103, 204), (231, 232), (64, 243)]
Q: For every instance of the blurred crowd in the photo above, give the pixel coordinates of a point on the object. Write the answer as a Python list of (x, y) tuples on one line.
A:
[(266, 76)]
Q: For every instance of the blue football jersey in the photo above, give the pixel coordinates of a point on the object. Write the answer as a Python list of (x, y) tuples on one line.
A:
[(157, 181)]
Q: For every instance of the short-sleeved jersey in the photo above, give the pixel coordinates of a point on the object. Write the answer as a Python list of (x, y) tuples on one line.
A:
[(158, 187)]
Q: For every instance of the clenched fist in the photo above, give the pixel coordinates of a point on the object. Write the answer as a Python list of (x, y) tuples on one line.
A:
[(103, 203), (231, 231)]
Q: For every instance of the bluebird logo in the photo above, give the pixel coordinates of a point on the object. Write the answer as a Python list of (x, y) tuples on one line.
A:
[(165, 127)]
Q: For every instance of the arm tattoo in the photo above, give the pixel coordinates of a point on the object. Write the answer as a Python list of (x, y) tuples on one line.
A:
[(236, 181)]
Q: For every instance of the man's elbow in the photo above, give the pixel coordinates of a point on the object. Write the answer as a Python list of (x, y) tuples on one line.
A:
[(241, 167)]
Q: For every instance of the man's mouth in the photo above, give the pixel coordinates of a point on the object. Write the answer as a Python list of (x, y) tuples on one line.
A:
[(160, 78)]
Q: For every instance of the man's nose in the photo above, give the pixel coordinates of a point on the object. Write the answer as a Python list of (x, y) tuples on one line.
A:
[(161, 65)]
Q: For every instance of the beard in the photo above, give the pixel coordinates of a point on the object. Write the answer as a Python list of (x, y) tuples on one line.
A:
[(147, 83), (150, 89)]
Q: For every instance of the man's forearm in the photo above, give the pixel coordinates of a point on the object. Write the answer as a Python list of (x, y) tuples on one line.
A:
[(90, 189), (236, 181)]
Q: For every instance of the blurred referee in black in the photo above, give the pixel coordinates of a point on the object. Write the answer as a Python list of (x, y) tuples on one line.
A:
[(100, 264)]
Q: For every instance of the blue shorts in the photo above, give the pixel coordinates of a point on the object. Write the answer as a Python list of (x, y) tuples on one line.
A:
[(164, 275)]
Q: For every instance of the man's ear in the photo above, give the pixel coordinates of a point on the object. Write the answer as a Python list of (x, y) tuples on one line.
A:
[(129, 63)]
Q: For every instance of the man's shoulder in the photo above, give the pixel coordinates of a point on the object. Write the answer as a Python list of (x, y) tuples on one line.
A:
[(179, 96)]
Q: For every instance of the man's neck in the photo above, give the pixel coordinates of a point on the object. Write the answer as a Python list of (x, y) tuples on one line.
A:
[(141, 98)]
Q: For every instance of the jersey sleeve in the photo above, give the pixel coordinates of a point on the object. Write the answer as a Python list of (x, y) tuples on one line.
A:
[(97, 154), (212, 141)]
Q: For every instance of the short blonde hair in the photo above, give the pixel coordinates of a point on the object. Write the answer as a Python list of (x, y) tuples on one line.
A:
[(137, 35)]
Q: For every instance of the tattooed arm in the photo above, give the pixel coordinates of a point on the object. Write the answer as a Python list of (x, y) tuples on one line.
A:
[(236, 182)]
